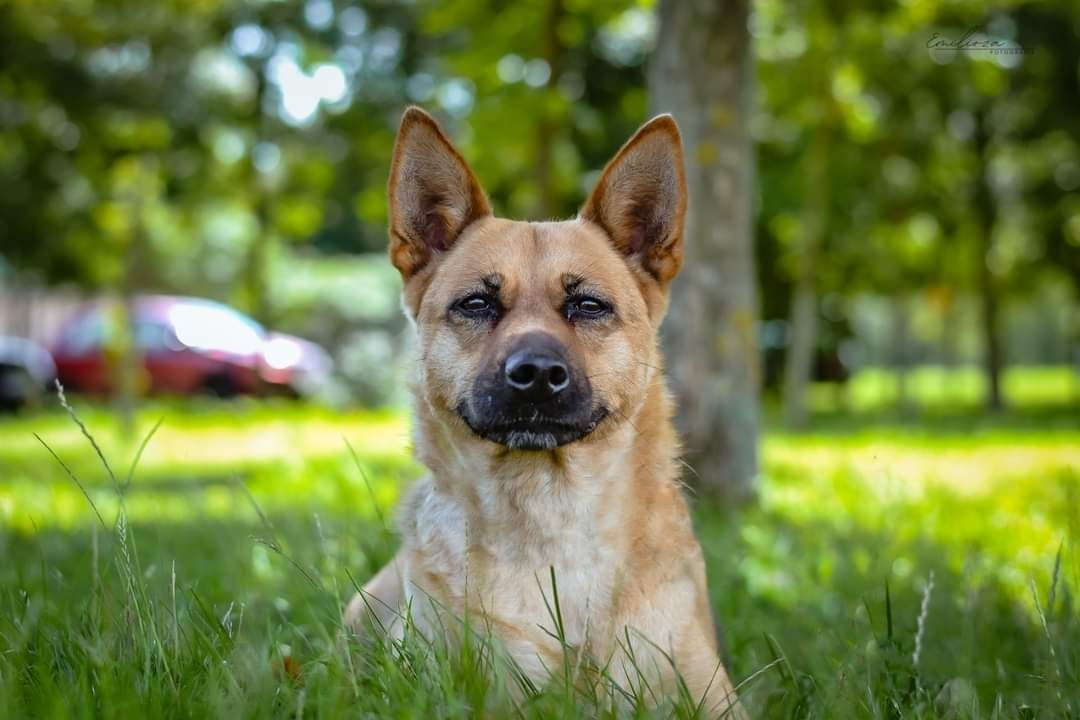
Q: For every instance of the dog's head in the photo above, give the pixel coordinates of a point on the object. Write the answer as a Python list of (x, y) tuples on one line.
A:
[(536, 334)]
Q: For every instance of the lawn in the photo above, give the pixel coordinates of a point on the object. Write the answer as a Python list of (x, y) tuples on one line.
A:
[(217, 590)]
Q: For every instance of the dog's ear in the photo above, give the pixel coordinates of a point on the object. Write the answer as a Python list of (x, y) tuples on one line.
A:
[(433, 194), (640, 200)]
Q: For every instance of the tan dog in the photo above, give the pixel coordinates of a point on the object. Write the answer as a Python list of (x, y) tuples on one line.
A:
[(542, 415)]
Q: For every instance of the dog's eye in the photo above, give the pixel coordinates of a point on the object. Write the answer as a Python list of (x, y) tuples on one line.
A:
[(476, 305), (586, 308)]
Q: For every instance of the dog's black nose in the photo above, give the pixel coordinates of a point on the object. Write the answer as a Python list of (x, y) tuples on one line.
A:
[(536, 373)]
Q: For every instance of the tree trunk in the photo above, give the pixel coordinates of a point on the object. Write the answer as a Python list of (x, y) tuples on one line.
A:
[(901, 352), (257, 260), (256, 266), (993, 362), (547, 127), (128, 368), (20, 303), (799, 358), (993, 358), (799, 365), (950, 332), (702, 72)]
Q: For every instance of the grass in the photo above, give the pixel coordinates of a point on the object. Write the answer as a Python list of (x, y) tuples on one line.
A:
[(213, 585), (938, 388)]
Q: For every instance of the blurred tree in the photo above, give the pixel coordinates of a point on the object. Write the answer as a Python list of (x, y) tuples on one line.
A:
[(263, 130), (540, 94), (1003, 112), (701, 72), (907, 172), (816, 113)]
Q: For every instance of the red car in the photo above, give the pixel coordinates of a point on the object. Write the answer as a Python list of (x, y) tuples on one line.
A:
[(188, 345)]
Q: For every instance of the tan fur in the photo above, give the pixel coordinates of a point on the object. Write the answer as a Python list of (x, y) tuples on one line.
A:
[(606, 511)]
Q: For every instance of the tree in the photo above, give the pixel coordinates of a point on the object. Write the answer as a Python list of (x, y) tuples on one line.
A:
[(702, 73), (551, 88), (816, 111)]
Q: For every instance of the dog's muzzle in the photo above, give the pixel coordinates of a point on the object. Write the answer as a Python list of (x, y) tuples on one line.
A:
[(534, 399)]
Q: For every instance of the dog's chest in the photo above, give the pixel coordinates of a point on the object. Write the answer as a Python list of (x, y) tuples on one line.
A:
[(520, 569)]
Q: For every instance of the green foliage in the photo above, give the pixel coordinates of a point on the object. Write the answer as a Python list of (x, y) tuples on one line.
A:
[(910, 136), (215, 588), (201, 138), (199, 149)]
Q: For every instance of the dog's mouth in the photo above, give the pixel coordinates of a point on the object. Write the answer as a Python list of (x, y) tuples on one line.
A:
[(534, 431)]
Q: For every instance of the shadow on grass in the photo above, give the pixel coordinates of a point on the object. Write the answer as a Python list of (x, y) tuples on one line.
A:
[(846, 607), (1030, 420), (186, 619), (267, 566)]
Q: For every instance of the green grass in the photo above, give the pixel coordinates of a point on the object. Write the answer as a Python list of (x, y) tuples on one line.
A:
[(935, 388), (245, 526)]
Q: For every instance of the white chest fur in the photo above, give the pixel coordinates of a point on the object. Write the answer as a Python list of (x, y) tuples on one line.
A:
[(494, 553)]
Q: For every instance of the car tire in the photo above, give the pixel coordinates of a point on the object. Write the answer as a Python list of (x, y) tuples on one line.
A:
[(16, 389), (219, 385)]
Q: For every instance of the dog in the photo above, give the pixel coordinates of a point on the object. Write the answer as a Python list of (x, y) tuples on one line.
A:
[(542, 414)]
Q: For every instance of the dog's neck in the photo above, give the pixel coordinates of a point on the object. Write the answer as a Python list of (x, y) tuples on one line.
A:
[(536, 497)]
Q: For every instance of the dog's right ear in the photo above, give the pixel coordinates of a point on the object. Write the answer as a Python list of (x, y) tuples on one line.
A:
[(433, 194)]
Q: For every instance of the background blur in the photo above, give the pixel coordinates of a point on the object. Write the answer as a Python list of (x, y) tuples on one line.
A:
[(239, 150), (890, 190)]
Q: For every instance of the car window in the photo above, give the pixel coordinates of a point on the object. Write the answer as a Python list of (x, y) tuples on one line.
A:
[(210, 326), (85, 335), (152, 337)]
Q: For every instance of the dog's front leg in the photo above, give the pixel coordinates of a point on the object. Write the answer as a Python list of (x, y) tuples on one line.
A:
[(377, 607)]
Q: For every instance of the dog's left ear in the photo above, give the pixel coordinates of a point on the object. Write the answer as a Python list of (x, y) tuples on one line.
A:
[(640, 200)]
